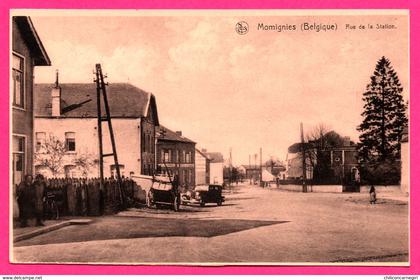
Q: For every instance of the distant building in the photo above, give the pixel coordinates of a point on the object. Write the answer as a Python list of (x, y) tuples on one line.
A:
[(341, 162), (27, 52), (176, 153), (405, 161), (68, 112), (216, 167), (202, 168), (250, 172)]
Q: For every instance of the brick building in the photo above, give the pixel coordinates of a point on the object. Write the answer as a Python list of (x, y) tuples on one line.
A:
[(176, 154), (27, 52)]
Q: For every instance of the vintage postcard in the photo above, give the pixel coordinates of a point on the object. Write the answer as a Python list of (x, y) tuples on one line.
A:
[(210, 137)]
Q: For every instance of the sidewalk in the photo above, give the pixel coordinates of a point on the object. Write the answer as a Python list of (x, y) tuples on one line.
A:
[(49, 225)]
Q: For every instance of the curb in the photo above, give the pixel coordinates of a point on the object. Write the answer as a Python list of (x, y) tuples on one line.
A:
[(50, 228)]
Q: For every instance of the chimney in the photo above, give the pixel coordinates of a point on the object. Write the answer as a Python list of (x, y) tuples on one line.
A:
[(346, 141), (179, 133), (56, 98)]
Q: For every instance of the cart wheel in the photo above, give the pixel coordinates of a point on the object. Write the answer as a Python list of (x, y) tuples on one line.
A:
[(175, 205), (148, 200)]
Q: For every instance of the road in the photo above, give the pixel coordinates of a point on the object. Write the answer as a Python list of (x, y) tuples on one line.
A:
[(255, 225)]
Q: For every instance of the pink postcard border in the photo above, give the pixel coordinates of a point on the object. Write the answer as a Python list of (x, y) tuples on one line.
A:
[(17, 269)]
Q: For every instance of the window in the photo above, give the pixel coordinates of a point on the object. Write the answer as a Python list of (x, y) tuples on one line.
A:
[(183, 156), (19, 167), (70, 171), (166, 155), (143, 142), (18, 81), (70, 141), (40, 140), (114, 170), (188, 157)]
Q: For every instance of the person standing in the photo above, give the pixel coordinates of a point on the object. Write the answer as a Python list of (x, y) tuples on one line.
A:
[(372, 194), (40, 187), (25, 200)]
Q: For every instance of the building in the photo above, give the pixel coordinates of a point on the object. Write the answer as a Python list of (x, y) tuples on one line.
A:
[(27, 52), (176, 155), (202, 168), (341, 165), (67, 113), (405, 162), (250, 172), (216, 167)]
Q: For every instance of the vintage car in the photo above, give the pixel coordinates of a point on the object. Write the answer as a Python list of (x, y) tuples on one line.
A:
[(163, 192), (205, 194)]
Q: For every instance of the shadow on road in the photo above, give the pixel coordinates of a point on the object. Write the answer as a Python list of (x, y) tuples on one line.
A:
[(106, 228)]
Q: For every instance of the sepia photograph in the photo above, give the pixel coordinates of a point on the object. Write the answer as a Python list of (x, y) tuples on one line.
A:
[(210, 137)]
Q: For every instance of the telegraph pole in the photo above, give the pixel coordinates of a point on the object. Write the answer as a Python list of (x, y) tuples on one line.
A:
[(230, 165), (261, 181), (302, 142), (249, 172)]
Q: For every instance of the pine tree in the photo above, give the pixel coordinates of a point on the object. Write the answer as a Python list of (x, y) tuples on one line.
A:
[(384, 116)]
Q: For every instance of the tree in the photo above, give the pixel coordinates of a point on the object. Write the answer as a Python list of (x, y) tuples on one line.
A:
[(384, 116), (51, 154)]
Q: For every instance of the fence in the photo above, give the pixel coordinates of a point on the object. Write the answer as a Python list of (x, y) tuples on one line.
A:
[(84, 197)]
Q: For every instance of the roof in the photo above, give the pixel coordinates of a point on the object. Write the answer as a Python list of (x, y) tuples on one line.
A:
[(247, 166), (201, 153), (170, 135), (33, 41), (78, 100), (215, 157)]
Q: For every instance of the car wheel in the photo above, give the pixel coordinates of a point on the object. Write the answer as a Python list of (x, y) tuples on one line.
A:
[(219, 203), (202, 204), (175, 205)]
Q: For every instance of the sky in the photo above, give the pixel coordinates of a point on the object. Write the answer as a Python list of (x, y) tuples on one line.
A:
[(224, 90)]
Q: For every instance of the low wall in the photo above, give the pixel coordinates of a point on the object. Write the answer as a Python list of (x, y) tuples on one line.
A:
[(314, 188), (382, 189), (335, 188)]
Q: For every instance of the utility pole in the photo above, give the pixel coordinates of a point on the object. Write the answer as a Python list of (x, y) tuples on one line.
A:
[(255, 167), (230, 165), (101, 90), (261, 181), (302, 142), (250, 168)]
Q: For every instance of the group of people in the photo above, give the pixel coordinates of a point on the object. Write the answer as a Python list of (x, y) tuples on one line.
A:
[(72, 196), (30, 195)]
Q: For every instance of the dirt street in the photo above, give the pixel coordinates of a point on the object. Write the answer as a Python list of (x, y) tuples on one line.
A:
[(254, 225)]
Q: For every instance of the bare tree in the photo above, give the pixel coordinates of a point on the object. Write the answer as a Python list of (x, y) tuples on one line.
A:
[(319, 140), (51, 154), (84, 162)]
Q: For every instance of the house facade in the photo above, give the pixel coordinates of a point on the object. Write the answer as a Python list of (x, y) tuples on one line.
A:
[(216, 167), (202, 168), (67, 114), (175, 154), (341, 163), (27, 52), (250, 172)]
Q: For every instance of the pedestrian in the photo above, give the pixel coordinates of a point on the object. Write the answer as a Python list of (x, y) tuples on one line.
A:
[(372, 194), (39, 186), (25, 201)]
